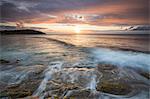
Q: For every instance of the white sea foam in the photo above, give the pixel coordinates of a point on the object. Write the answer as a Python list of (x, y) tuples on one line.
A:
[(92, 84), (52, 68), (122, 58)]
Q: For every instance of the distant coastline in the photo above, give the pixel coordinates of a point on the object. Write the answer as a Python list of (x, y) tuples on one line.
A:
[(20, 32)]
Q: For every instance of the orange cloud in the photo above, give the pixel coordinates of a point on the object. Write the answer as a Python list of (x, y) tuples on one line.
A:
[(123, 12)]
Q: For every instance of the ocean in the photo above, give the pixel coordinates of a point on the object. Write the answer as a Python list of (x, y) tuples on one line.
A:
[(76, 66)]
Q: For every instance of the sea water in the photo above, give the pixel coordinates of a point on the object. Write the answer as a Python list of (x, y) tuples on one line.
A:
[(72, 59)]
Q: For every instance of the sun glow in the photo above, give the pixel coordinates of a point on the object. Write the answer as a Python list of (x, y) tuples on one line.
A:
[(72, 28), (77, 29)]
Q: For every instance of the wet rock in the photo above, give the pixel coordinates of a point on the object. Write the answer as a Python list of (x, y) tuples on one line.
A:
[(15, 93), (87, 65), (115, 88), (81, 94), (80, 66), (2, 61), (20, 90), (7, 62), (17, 61), (53, 85), (109, 72), (2, 85), (32, 97), (27, 86), (106, 67), (59, 90), (36, 70), (70, 86), (111, 81), (145, 74), (64, 54)]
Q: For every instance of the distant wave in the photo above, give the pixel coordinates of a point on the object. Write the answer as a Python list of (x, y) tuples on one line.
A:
[(58, 41), (123, 57), (117, 48)]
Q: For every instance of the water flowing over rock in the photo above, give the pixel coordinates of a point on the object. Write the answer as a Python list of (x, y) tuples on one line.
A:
[(51, 68)]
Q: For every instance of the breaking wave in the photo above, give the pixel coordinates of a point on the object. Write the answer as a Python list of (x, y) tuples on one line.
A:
[(122, 58)]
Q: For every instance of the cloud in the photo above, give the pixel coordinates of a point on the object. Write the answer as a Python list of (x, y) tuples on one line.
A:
[(139, 28), (97, 12), (11, 13)]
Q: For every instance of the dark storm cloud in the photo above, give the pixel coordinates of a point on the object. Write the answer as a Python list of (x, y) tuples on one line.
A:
[(10, 12), (14, 10), (58, 5), (34, 10)]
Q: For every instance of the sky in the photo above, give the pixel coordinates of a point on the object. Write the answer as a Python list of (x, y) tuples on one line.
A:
[(68, 16)]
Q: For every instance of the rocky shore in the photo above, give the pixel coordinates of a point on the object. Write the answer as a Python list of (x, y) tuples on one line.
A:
[(110, 79)]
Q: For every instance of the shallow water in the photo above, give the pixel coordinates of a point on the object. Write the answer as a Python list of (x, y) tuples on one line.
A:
[(72, 60)]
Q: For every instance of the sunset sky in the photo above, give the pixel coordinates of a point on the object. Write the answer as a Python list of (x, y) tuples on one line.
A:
[(75, 15)]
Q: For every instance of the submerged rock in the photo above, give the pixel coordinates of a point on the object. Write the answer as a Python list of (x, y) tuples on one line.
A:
[(27, 86), (8, 62), (55, 89), (20, 90), (15, 92), (78, 94), (145, 74), (114, 88), (81, 94), (109, 72), (106, 67), (111, 81)]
